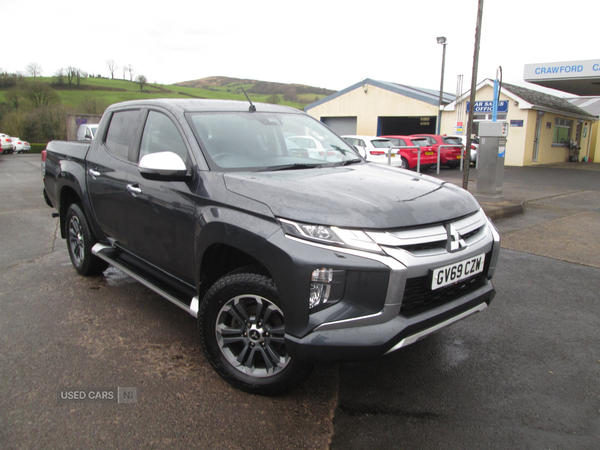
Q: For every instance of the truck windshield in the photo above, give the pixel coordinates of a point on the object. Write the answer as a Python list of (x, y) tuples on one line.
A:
[(260, 141)]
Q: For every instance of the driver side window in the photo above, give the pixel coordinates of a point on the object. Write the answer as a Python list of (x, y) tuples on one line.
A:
[(161, 135)]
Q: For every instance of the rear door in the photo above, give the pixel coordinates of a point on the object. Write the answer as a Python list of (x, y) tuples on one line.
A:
[(108, 163)]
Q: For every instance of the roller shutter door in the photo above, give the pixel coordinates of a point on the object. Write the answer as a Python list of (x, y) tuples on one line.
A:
[(341, 125)]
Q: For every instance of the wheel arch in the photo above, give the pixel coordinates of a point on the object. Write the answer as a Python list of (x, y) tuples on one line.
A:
[(220, 259), (68, 196)]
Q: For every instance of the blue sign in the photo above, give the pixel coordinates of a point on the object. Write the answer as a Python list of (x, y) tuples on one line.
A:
[(516, 123), (487, 107)]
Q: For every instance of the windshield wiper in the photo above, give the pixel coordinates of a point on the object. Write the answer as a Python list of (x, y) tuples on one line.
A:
[(352, 161), (291, 167)]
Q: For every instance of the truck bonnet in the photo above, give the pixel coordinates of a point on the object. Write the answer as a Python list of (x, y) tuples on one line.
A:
[(369, 196)]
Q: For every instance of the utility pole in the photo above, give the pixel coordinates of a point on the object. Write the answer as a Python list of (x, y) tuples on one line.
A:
[(467, 160), (441, 40)]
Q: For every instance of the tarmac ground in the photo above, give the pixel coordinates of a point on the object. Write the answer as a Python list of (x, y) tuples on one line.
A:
[(559, 203), (524, 374)]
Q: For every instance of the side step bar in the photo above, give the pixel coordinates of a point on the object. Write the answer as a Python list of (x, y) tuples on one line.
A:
[(106, 253)]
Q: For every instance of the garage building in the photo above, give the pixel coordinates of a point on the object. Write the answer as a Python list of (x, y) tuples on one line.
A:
[(377, 107), (541, 125)]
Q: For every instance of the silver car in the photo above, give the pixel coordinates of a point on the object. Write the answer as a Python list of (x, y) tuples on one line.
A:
[(474, 145)]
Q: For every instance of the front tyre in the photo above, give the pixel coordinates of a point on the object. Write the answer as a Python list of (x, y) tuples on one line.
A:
[(80, 241), (242, 333)]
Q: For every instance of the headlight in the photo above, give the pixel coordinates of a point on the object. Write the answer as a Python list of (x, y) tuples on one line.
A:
[(341, 237)]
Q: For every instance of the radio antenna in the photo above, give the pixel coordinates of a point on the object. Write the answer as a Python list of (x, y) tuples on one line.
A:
[(252, 108)]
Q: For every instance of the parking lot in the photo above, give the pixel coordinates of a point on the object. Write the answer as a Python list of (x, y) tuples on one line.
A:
[(524, 374)]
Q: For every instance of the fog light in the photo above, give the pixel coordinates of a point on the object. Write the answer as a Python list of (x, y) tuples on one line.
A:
[(322, 276), (320, 287)]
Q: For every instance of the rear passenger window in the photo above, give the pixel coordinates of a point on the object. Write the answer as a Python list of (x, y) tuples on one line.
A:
[(121, 131)]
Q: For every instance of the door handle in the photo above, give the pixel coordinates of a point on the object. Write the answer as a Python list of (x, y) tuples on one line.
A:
[(134, 189), (94, 173)]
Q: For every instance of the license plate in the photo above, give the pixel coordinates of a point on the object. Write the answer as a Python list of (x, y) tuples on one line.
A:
[(429, 153), (458, 157), (452, 273)]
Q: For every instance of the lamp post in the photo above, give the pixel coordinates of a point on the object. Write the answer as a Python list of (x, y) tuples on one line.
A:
[(441, 40)]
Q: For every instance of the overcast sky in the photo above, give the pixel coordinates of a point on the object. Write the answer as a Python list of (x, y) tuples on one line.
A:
[(322, 43)]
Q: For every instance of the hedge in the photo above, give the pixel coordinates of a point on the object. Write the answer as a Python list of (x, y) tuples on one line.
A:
[(37, 148)]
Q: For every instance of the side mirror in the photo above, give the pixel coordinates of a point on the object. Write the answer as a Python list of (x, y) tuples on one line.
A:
[(163, 166)]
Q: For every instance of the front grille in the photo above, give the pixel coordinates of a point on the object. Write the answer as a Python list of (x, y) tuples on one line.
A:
[(471, 234), (424, 246), (419, 297)]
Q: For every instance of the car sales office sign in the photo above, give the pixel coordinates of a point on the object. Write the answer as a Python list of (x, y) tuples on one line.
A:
[(487, 107)]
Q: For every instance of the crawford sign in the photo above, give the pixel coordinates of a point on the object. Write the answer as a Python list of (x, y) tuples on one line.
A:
[(568, 70), (575, 77)]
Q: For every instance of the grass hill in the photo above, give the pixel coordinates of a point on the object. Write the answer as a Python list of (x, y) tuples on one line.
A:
[(105, 91), (293, 93), (38, 114)]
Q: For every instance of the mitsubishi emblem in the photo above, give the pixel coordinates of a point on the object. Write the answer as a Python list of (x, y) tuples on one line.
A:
[(455, 241)]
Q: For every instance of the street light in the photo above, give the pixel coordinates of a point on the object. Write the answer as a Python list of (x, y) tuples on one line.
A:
[(441, 40)]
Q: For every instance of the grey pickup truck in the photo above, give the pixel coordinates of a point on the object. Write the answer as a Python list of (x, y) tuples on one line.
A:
[(259, 221)]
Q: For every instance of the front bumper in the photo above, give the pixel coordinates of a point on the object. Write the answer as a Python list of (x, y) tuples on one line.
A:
[(404, 318), (370, 341)]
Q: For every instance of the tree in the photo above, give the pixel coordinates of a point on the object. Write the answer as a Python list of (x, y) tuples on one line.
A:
[(14, 97), (33, 70), (274, 99), (71, 71), (91, 104), (30, 96), (290, 94), (34, 113), (40, 94), (129, 69), (60, 76), (142, 80), (74, 74), (112, 67), (80, 74)]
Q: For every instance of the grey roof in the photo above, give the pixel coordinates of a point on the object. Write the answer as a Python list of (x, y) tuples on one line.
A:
[(424, 95), (589, 104), (204, 105), (545, 101)]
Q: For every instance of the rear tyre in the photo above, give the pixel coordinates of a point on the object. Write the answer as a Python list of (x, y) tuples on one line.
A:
[(404, 164), (242, 332), (80, 241)]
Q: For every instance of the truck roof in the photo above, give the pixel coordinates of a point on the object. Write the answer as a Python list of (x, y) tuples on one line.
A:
[(205, 105)]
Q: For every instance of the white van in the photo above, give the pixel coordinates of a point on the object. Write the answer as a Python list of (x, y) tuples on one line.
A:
[(86, 131)]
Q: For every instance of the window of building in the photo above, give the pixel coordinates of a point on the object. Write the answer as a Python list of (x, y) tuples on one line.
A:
[(482, 117), (562, 131)]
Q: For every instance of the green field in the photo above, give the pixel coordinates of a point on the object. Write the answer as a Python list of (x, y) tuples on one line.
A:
[(107, 92)]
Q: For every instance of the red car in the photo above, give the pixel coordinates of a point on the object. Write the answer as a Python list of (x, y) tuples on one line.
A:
[(410, 155), (449, 156)]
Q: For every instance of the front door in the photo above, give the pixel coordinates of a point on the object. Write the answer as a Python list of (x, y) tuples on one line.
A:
[(162, 217)]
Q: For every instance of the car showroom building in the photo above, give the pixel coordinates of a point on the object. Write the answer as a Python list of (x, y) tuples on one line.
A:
[(541, 125)]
